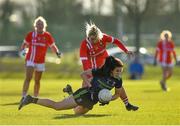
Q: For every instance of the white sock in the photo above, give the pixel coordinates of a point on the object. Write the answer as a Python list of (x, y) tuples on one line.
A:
[(126, 101), (24, 94)]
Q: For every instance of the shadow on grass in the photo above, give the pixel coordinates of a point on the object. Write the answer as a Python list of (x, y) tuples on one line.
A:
[(10, 104), (6, 94), (67, 116), (152, 91)]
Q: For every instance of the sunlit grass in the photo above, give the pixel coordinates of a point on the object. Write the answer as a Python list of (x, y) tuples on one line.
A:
[(156, 106)]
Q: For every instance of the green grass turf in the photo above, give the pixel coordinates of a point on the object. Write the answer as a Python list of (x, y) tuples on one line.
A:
[(156, 106)]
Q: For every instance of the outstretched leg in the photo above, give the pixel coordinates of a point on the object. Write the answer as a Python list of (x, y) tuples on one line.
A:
[(67, 103)]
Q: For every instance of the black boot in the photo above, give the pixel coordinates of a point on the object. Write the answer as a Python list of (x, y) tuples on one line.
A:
[(130, 107), (27, 100), (163, 86), (68, 89)]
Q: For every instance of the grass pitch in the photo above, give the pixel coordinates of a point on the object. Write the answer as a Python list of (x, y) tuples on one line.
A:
[(156, 106)]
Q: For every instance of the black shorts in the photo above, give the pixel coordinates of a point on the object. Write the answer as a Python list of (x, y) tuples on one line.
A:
[(83, 97)]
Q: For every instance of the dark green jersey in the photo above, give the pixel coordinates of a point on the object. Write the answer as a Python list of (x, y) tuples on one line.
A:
[(109, 83), (99, 81), (87, 97)]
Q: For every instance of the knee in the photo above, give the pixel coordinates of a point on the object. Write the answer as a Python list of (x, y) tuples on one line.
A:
[(80, 113), (170, 74), (37, 81), (79, 110), (28, 79)]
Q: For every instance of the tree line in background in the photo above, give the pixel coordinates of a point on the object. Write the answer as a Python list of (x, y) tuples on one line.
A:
[(66, 19)]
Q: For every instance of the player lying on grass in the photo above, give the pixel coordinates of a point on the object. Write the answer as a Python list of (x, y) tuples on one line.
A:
[(107, 77)]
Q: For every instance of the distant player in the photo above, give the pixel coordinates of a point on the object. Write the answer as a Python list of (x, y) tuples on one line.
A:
[(85, 98), (164, 52), (37, 42)]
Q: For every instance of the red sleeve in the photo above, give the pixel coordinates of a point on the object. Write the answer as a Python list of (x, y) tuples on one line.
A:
[(120, 45), (28, 37), (115, 41), (84, 56), (50, 39), (108, 38), (172, 43)]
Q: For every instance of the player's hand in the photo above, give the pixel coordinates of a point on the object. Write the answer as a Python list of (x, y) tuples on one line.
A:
[(23, 52), (58, 54), (130, 54), (88, 85), (176, 63), (155, 63), (103, 104)]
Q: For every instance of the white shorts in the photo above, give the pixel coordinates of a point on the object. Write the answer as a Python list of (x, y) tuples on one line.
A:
[(37, 66), (163, 64)]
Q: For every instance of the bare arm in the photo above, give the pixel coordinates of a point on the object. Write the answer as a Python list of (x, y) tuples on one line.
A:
[(55, 49), (116, 94), (174, 54), (83, 51), (24, 45), (84, 76), (119, 92), (155, 57), (123, 47)]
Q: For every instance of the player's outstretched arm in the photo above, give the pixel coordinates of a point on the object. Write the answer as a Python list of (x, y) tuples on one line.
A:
[(116, 94), (84, 76)]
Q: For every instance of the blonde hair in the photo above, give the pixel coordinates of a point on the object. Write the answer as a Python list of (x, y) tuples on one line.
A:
[(92, 29), (40, 18), (162, 35)]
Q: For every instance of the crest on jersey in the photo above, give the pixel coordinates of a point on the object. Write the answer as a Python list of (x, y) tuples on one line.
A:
[(96, 48), (79, 100), (39, 38), (110, 82), (101, 43)]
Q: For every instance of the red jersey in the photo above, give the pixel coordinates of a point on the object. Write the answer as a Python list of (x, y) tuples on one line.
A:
[(165, 49), (93, 55), (38, 44)]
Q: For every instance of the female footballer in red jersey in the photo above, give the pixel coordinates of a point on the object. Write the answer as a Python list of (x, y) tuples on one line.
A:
[(93, 48), (37, 42), (164, 50), (93, 53)]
